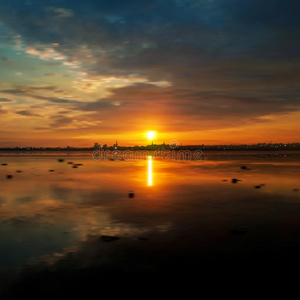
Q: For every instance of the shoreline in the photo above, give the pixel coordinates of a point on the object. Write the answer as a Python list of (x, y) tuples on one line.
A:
[(178, 154)]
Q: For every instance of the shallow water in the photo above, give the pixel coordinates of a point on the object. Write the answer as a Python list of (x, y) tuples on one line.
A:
[(183, 214)]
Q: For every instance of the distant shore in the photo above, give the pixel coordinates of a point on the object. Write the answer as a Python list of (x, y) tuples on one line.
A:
[(205, 148), (144, 154)]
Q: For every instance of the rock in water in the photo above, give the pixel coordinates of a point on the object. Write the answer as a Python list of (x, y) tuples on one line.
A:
[(238, 231), (131, 194), (234, 180), (109, 238)]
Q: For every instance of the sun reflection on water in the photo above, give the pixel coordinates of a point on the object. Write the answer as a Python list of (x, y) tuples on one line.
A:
[(150, 173)]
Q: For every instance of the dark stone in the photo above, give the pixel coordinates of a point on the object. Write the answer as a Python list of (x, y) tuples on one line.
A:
[(9, 176), (234, 180), (70, 163), (131, 194), (237, 231), (109, 238), (75, 167), (224, 180), (257, 186), (51, 170), (245, 168), (19, 171), (61, 160), (3, 164), (295, 190)]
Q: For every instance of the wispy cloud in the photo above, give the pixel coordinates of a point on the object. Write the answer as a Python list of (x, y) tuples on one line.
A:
[(5, 100)]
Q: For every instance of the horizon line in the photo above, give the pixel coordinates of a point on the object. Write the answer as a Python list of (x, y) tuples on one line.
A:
[(187, 145)]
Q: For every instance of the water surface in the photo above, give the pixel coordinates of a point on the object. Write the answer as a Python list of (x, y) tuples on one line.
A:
[(182, 215)]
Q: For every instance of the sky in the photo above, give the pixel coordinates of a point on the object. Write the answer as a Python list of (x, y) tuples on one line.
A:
[(73, 72)]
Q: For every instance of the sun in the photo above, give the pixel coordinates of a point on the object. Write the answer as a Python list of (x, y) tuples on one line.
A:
[(151, 135)]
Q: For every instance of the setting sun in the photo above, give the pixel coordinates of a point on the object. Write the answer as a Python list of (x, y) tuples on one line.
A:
[(151, 135)]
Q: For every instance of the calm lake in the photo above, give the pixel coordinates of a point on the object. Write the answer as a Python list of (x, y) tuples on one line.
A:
[(64, 229)]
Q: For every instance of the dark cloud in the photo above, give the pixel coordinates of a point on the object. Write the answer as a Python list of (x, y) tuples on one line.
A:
[(47, 88), (59, 121), (98, 105), (177, 105), (63, 101), (27, 113), (5, 100), (41, 128), (13, 91), (27, 91), (56, 100)]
